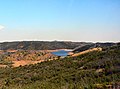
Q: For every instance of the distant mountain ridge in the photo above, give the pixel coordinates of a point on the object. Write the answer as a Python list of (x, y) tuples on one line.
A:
[(40, 45), (89, 46), (51, 45)]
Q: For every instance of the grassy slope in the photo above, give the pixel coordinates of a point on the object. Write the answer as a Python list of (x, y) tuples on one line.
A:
[(68, 73)]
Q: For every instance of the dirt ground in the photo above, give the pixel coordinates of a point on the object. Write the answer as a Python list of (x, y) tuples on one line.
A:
[(24, 62), (86, 51), (3, 65)]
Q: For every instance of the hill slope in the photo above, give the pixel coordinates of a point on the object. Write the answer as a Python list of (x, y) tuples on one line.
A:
[(47, 45), (40, 45), (94, 70)]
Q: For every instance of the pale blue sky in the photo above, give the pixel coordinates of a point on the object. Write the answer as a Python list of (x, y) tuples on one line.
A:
[(72, 20)]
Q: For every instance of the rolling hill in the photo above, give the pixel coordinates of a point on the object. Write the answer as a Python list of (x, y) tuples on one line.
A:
[(40, 45), (93, 70), (50, 45)]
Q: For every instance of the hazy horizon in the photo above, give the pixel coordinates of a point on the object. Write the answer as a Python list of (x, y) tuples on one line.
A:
[(61, 41), (61, 20)]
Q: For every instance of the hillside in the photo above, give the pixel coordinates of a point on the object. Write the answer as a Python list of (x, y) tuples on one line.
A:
[(94, 70), (90, 46), (15, 58), (50, 45), (15, 54), (40, 45)]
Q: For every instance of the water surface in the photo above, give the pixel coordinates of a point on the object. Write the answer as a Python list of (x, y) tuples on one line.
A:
[(61, 53)]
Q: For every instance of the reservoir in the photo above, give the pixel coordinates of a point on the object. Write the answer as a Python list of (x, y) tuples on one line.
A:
[(63, 53)]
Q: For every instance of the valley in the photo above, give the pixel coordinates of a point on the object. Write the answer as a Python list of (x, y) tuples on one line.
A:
[(89, 66)]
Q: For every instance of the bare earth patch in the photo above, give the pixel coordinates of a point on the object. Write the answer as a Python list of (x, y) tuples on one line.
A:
[(86, 51), (24, 62), (3, 65)]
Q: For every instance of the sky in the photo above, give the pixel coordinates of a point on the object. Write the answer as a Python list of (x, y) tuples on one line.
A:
[(62, 20)]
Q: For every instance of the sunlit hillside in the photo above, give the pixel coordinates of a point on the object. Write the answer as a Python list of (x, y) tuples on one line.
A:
[(93, 70)]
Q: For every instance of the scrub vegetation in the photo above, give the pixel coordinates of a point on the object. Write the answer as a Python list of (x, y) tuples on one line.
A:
[(93, 70)]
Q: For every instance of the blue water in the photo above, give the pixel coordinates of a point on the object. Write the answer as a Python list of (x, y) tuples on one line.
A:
[(61, 53)]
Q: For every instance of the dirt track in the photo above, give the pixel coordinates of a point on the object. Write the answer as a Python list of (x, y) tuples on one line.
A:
[(86, 51)]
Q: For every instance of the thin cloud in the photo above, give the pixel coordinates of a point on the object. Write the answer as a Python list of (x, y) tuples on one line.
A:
[(1, 27)]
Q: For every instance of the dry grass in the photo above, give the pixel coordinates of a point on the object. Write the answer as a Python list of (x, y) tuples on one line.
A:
[(24, 62), (3, 65), (86, 51)]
